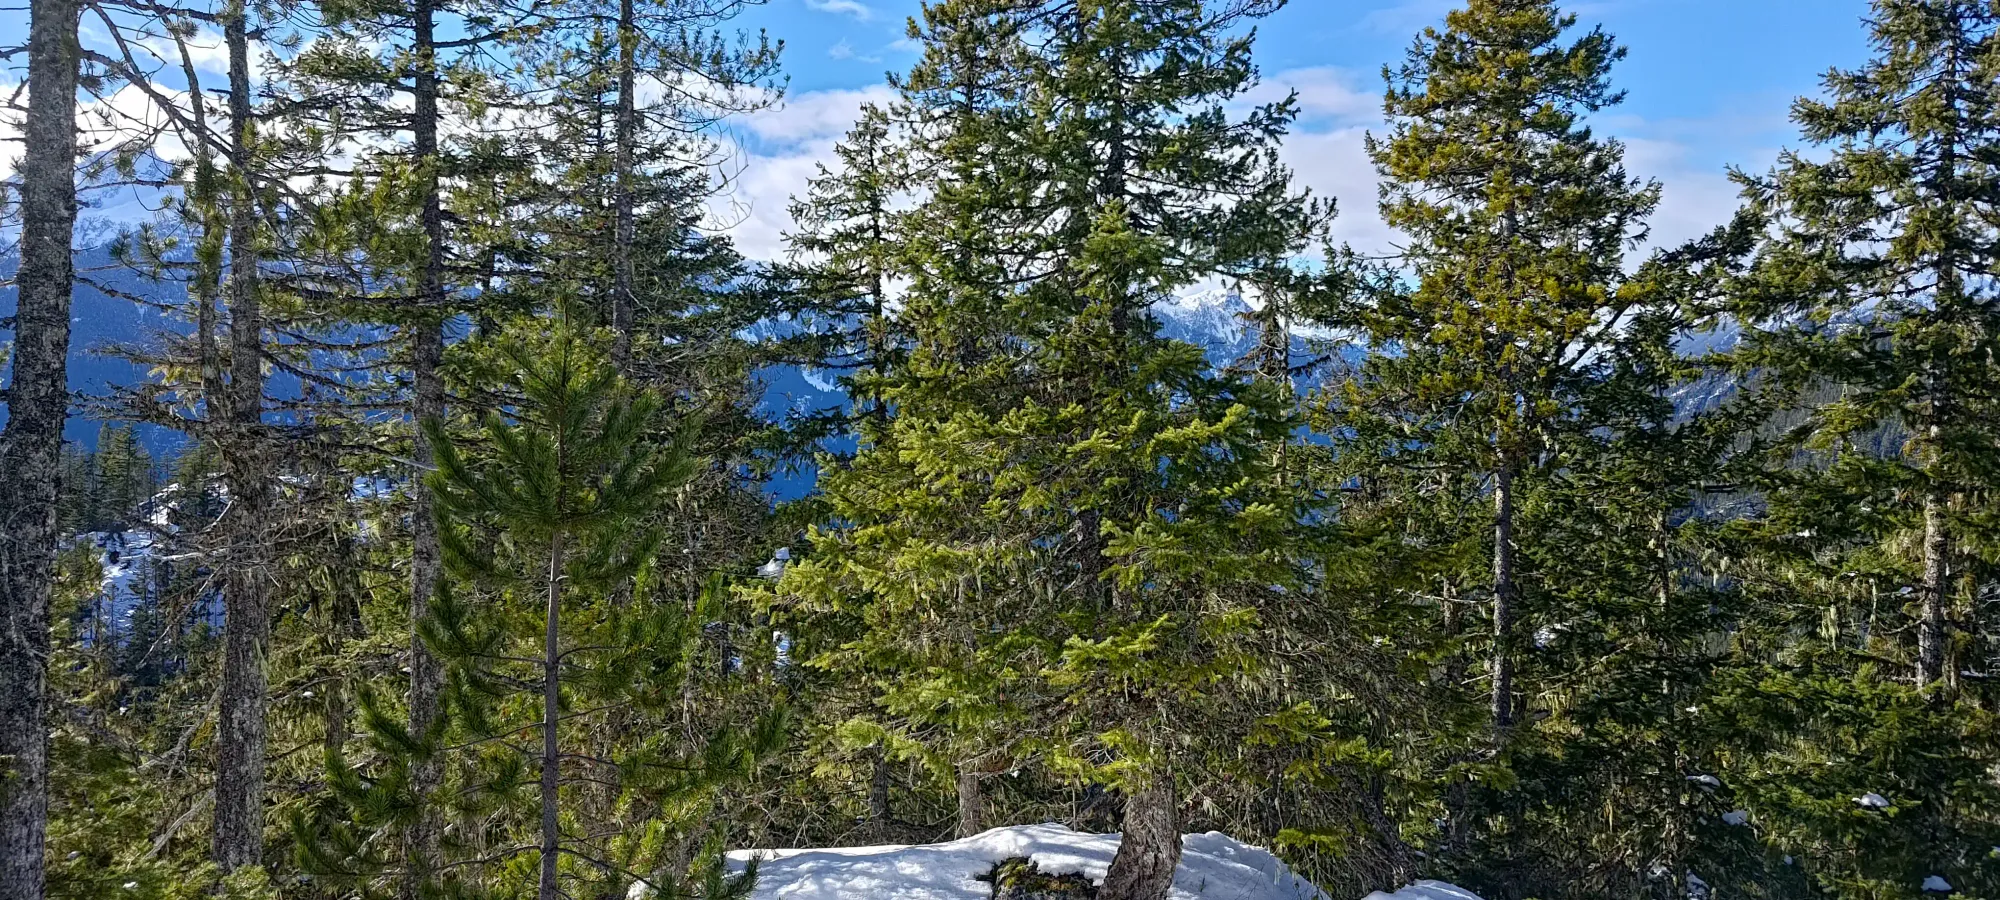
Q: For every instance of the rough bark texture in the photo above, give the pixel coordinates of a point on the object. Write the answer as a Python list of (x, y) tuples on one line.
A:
[(239, 791), (1931, 620), (971, 806), (426, 355), (621, 243), (549, 889), (1504, 593), (1151, 848), (31, 445)]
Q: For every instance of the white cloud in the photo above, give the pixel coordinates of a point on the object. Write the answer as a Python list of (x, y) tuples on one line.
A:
[(755, 211), (845, 51), (1326, 153), (1326, 94), (814, 114), (1334, 163), (853, 8), (792, 140)]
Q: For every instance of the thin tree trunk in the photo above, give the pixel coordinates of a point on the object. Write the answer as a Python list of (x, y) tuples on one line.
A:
[(551, 717), (1931, 620), (879, 813), (626, 230), (1150, 849), (347, 627), (426, 355), (239, 794), (1504, 595), (31, 444), (971, 805), (1455, 796)]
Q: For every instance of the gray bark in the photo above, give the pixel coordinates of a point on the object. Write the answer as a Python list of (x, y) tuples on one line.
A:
[(1504, 595), (971, 806), (427, 402), (1931, 619), (239, 788), (627, 134), (879, 813), (31, 444), (1950, 296), (551, 717), (1150, 850)]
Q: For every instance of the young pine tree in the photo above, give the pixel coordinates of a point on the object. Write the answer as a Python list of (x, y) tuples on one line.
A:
[(545, 515)]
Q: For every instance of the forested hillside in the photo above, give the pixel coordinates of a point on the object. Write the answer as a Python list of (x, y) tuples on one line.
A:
[(421, 496)]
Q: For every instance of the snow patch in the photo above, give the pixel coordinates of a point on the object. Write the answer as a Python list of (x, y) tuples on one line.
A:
[(1213, 866), (1426, 890)]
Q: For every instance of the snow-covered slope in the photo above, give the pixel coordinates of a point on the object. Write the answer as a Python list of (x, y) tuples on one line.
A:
[(1213, 867)]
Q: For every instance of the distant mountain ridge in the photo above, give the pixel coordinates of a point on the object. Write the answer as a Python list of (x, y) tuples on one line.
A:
[(1212, 318)]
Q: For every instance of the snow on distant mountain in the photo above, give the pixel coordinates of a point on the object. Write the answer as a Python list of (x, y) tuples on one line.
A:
[(138, 563), (1211, 318)]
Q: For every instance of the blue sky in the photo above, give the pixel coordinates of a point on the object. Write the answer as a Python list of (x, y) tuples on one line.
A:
[(1710, 84)]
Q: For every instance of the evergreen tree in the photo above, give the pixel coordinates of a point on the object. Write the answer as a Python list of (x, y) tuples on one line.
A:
[(1517, 218), (544, 518), (1065, 537), (1874, 282), (1869, 333), (849, 227)]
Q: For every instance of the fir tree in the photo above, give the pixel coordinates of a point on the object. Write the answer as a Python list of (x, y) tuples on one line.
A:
[(1517, 218), (1875, 282), (1064, 535)]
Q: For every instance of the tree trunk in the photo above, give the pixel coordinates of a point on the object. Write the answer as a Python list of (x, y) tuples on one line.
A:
[(1504, 594), (239, 788), (1931, 620), (625, 228), (1150, 849), (971, 806), (31, 444), (1456, 797), (426, 355), (551, 717), (879, 818), (346, 626)]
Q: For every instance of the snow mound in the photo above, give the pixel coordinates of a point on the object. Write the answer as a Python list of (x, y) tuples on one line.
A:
[(1426, 890), (1213, 867)]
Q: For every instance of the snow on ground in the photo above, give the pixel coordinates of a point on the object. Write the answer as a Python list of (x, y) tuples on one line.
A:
[(1213, 867), (127, 561), (1426, 890)]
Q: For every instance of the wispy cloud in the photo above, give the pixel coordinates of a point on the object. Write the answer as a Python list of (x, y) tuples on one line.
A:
[(853, 8), (1405, 17), (1326, 94), (846, 51)]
